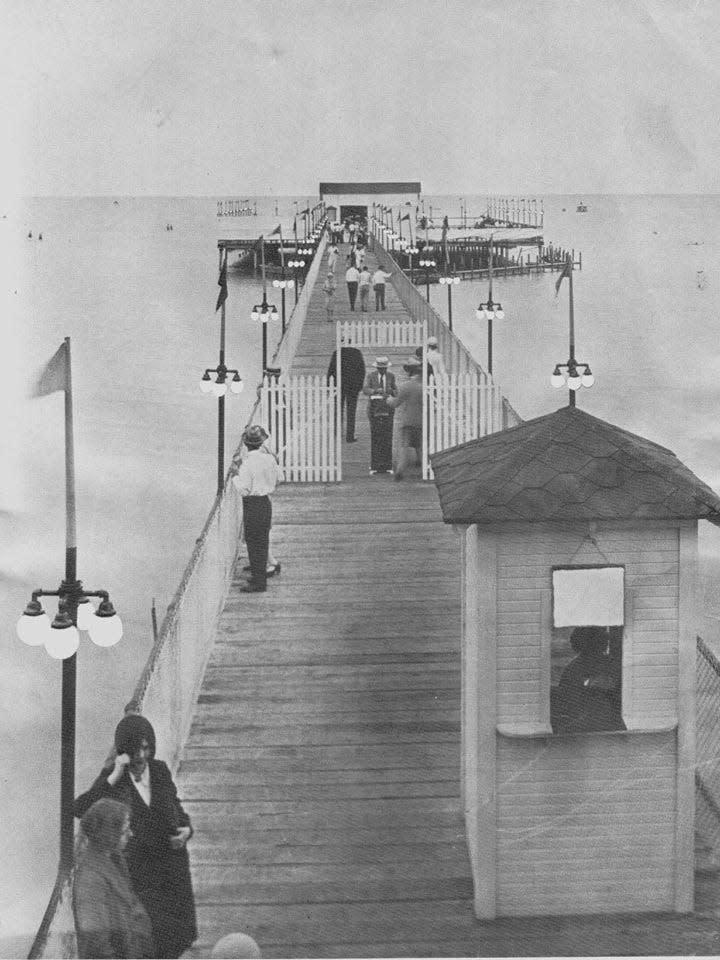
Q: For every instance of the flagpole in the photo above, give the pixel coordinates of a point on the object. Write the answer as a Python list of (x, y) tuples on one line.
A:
[(572, 325), (69, 667), (221, 399)]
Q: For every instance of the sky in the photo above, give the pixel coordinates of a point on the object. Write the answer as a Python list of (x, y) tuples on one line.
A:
[(212, 97)]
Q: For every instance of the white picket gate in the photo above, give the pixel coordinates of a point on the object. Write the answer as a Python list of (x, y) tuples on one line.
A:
[(382, 333), (301, 414), (458, 409)]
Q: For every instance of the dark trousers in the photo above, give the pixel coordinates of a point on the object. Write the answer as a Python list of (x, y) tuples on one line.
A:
[(257, 519), (379, 296), (381, 431), (352, 292), (349, 406)]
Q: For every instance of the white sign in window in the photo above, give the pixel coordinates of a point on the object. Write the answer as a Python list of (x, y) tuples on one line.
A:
[(588, 596)]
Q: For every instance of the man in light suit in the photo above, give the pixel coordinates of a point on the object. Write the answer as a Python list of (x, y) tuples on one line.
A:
[(380, 384)]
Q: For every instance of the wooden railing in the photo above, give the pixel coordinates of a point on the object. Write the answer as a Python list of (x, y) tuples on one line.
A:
[(288, 345)]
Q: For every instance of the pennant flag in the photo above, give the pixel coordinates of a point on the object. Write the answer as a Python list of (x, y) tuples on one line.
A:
[(55, 375), (275, 231), (305, 211), (406, 217), (222, 283), (566, 271)]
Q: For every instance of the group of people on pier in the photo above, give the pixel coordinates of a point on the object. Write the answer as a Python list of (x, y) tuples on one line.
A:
[(384, 397)]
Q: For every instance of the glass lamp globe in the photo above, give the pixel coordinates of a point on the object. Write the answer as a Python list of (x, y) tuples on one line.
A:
[(236, 384), (442, 280), (277, 283), (255, 315), (290, 284), (206, 383), (456, 280), (219, 389), (574, 381), (587, 379), (85, 612), (106, 627), (33, 627), (63, 641), (499, 313), (557, 379)]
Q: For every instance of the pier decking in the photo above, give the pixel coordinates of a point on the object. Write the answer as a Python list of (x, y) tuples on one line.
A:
[(322, 772)]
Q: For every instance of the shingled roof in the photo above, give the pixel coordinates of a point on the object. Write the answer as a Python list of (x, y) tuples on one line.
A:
[(567, 465)]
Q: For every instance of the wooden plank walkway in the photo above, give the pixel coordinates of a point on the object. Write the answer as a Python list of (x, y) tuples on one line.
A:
[(322, 769)]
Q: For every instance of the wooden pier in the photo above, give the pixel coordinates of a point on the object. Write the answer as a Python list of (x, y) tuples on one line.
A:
[(322, 772)]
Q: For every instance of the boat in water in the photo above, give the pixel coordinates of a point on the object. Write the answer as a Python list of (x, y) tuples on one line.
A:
[(581, 207)]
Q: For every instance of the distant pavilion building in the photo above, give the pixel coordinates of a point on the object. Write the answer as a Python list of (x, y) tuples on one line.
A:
[(344, 200)]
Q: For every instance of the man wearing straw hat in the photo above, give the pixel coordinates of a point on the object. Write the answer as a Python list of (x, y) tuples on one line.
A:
[(410, 401), (379, 385)]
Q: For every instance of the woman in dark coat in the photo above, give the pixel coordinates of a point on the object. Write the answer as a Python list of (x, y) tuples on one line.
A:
[(156, 854), (110, 921)]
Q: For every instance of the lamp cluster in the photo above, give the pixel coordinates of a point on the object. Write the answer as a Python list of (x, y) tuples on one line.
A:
[(428, 264), (264, 312), (219, 386), (490, 311), (61, 637), (574, 379), (284, 284), (449, 280), (296, 264)]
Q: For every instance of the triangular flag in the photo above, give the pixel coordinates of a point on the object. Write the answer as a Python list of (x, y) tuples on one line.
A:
[(55, 375), (222, 283), (406, 217), (276, 230), (566, 271), (303, 212)]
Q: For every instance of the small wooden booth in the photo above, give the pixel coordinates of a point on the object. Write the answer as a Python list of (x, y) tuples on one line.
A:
[(571, 526)]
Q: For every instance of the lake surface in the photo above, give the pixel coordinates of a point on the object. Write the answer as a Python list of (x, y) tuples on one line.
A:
[(138, 301)]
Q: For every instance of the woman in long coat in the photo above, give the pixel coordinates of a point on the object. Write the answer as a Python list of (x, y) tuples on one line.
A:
[(110, 921), (156, 854)]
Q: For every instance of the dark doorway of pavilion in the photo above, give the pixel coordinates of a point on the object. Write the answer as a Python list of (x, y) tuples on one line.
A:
[(348, 213)]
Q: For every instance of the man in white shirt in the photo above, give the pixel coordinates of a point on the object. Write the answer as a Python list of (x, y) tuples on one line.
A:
[(256, 479), (378, 279), (352, 278)]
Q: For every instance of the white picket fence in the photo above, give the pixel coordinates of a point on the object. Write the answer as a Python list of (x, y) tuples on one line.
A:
[(300, 413), (458, 409), (382, 333)]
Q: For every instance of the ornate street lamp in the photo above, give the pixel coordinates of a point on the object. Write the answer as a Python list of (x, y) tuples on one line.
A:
[(449, 281), (491, 309), (296, 265), (284, 285), (264, 312), (428, 264), (412, 251), (574, 379)]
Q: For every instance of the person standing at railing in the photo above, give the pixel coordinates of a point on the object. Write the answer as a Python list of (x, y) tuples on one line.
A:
[(329, 288), (380, 384), (378, 279), (110, 921), (258, 475), (435, 358), (157, 855)]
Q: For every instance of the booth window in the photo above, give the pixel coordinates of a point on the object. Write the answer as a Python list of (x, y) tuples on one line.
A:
[(586, 649)]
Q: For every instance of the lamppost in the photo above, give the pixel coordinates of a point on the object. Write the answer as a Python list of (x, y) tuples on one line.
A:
[(412, 251), (450, 281), (574, 379), (491, 309), (61, 638), (296, 265), (428, 264), (219, 386), (284, 285), (264, 312)]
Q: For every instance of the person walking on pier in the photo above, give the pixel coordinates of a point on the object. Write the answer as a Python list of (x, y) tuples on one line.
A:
[(329, 288), (378, 279), (410, 399), (157, 856), (364, 288), (333, 258), (352, 278), (256, 479), (380, 384), (352, 378)]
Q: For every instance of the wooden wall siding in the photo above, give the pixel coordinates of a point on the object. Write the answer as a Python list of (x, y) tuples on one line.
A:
[(590, 836), (525, 559)]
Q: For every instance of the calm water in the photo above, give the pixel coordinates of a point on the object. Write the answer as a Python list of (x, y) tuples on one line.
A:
[(138, 301)]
